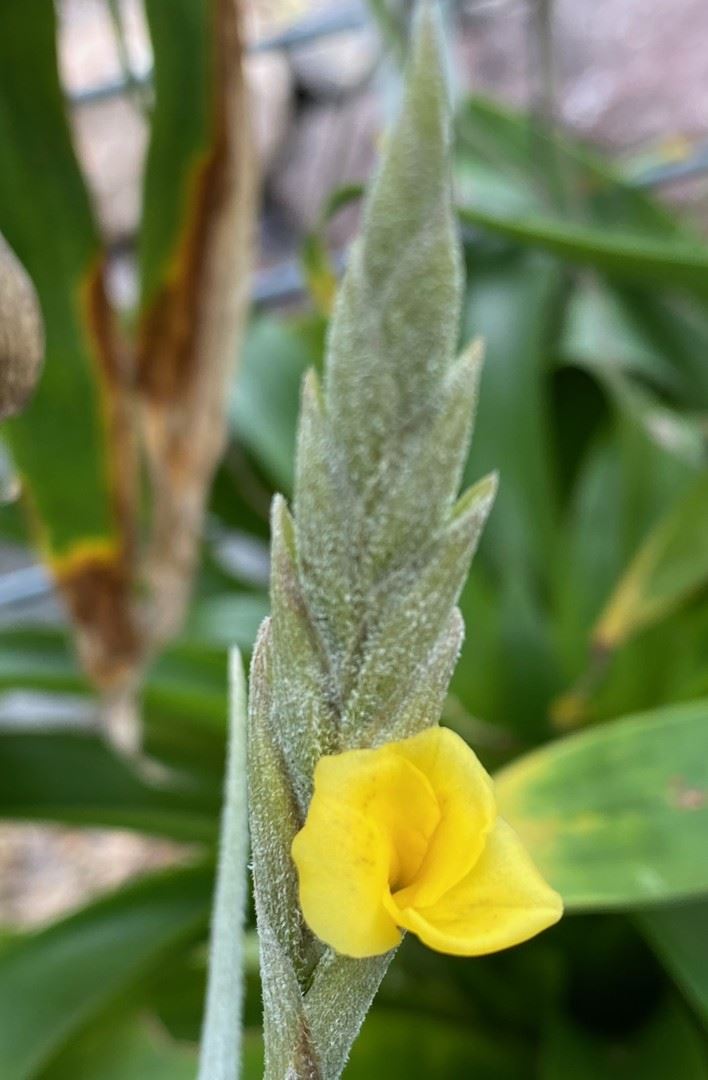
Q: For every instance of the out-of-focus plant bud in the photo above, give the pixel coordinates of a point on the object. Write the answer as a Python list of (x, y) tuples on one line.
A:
[(21, 335)]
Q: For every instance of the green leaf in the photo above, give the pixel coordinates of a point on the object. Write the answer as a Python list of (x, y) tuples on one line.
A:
[(677, 325), (670, 566), (263, 407), (220, 1050), (73, 777), (623, 255), (602, 330), (181, 134), (617, 816), (194, 261), (509, 161), (526, 183), (184, 699), (38, 659), (400, 1046), (53, 983), (264, 403), (118, 1048), (511, 303), (668, 1044), (229, 619), (592, 552), (679, 935), (45, 215), (608, 338)]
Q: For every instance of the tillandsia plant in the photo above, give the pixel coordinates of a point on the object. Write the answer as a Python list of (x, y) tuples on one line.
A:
[(366, 817)]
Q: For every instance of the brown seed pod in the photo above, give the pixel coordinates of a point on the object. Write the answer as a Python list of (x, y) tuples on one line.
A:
[(21, 334)]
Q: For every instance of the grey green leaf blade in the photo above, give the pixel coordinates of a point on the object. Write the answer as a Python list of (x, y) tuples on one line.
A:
[(220, 1048)]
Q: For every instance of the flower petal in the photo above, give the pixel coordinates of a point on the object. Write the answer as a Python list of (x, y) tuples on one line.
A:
[(369, 825), (342, 861), (501, 902), (465, 795), (388, 790)]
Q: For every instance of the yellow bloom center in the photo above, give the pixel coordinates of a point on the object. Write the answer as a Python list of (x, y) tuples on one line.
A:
[(407, 836)]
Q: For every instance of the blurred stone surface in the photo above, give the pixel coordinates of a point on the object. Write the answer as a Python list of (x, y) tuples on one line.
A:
[(630, 71), (270, 82), (331, 145), (46, 870), (111, 140), (111, 135), (338, 64)]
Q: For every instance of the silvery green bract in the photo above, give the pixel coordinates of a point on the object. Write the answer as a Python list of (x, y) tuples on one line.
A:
[(364, 632)]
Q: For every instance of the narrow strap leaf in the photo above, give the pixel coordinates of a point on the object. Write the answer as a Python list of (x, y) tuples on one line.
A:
[(221, 1033)]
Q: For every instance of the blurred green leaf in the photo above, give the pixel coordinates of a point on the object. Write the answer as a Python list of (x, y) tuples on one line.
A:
[(228, 620), (45, 215), (402, 1045), (40, 659), (591, 551), (679, 934), (536, 188), (601, 330), (75, 778), (678, 326), (54, 982), (510, 161), (117, 1048), (627, 256), (610, 340), (266, 395), (184, 699), (671, 564), (181, 135), (511, 303), (667, 1045), (617, 816)]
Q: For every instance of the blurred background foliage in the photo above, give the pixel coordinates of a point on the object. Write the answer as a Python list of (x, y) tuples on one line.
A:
[(583, 682)]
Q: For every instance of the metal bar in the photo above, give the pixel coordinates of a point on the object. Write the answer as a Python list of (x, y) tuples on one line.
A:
[(20, 586), (695, 165), (315, 28)]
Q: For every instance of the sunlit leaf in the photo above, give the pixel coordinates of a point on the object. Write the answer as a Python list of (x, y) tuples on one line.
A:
[(617, 816), (670, 566)]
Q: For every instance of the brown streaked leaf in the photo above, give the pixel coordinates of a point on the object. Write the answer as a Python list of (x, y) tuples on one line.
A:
[(73, 445), (194, 256), (96, 577)]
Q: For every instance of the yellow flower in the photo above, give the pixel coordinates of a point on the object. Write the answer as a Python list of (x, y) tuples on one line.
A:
[(407, 836)]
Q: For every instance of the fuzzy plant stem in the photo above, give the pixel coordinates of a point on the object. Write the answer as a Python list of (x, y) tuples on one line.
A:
[(364, 631)]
